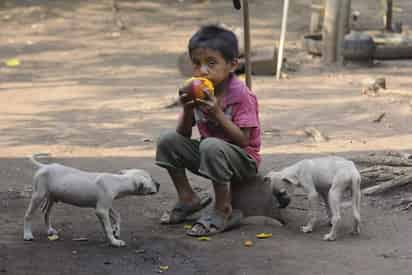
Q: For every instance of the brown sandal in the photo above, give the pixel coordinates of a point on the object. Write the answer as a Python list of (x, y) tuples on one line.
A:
[(214, 223), (181, 211)]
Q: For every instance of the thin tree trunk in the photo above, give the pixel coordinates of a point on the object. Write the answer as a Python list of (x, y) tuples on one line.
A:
[(388, 11), (330, 31)]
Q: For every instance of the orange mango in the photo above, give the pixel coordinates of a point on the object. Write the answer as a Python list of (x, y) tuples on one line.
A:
[(197, 85)]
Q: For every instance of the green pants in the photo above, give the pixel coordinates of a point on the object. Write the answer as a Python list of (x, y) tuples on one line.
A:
[(213, 158)]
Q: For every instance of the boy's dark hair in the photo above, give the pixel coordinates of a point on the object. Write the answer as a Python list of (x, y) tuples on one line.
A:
[(216, 38)]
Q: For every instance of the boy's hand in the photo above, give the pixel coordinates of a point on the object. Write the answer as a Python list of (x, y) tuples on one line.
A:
[(210, 104), (185, 99)]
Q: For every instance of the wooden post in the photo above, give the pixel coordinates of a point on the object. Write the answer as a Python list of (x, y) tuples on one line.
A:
[(342, 28), (330, 31), (246, 29), (282, 38), (388, 17), (316, 18), (346, 11)]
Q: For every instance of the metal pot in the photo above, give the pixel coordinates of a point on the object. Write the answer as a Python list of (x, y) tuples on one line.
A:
[(358, 46), (312, 43)]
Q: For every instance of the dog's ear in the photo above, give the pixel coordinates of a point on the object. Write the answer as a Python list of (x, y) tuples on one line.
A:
[(267, 180), (271, 176), (123, 171), (290, 179), (290, 174), (138, 185)]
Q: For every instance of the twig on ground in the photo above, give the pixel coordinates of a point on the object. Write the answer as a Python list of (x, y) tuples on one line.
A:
[(116, 17), (379, 118)]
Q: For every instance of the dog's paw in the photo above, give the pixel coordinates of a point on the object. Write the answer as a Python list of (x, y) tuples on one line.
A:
[(116, 233), (118, 243), (306, 228), (52, 232), (28, 237), (355, 231), (329, 237)]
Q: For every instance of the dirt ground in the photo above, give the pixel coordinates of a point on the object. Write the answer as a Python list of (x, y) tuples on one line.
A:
[(94, 97)]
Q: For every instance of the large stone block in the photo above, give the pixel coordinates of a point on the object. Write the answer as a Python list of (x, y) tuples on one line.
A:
[(254, 197)]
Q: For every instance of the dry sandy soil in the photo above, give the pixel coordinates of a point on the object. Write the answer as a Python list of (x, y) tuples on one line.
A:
[(94, 97)]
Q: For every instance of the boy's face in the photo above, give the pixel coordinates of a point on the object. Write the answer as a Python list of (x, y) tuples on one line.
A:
[(210, 64)]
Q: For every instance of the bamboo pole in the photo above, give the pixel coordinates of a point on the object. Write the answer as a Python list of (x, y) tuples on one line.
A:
[(246, 29), (282, 38)]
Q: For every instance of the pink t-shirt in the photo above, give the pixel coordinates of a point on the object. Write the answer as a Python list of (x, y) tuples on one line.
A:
[(241, 107)]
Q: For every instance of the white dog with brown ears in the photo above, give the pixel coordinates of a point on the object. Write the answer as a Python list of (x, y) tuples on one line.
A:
[(329, 177), (58, 183)]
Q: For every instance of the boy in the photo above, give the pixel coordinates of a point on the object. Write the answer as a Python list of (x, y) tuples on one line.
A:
[(228, 123)]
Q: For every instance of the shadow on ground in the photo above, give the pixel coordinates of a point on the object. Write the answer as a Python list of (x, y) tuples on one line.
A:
[(151, 245)]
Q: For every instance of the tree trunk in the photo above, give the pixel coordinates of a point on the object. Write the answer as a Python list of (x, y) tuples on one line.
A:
[(387, 18), (375, 174), (397, 182), (384, 172), (330, 31), (342, 28), (383, 160)]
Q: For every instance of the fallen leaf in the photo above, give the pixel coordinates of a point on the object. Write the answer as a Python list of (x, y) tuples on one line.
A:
[(187, 226), (204, 238), (163, 267), (53, 237), (263, 235), (13, 62), (248, 243), (80, 239)]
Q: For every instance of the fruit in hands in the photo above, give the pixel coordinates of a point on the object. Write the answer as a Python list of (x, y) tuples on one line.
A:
[(197, 85)]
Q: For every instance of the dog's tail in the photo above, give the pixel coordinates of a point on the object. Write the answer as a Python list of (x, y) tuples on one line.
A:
[(356, 195), (35, 162)]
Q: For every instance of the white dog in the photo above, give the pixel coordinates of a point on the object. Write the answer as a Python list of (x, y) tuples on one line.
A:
[(55, 182), (329, 177)]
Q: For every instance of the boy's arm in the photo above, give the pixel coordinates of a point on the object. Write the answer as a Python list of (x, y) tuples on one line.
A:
[(239, 136), (185, 124), (186, 120)]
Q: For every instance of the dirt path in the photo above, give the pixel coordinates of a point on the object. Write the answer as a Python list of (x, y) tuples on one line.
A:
[(94, 97)]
